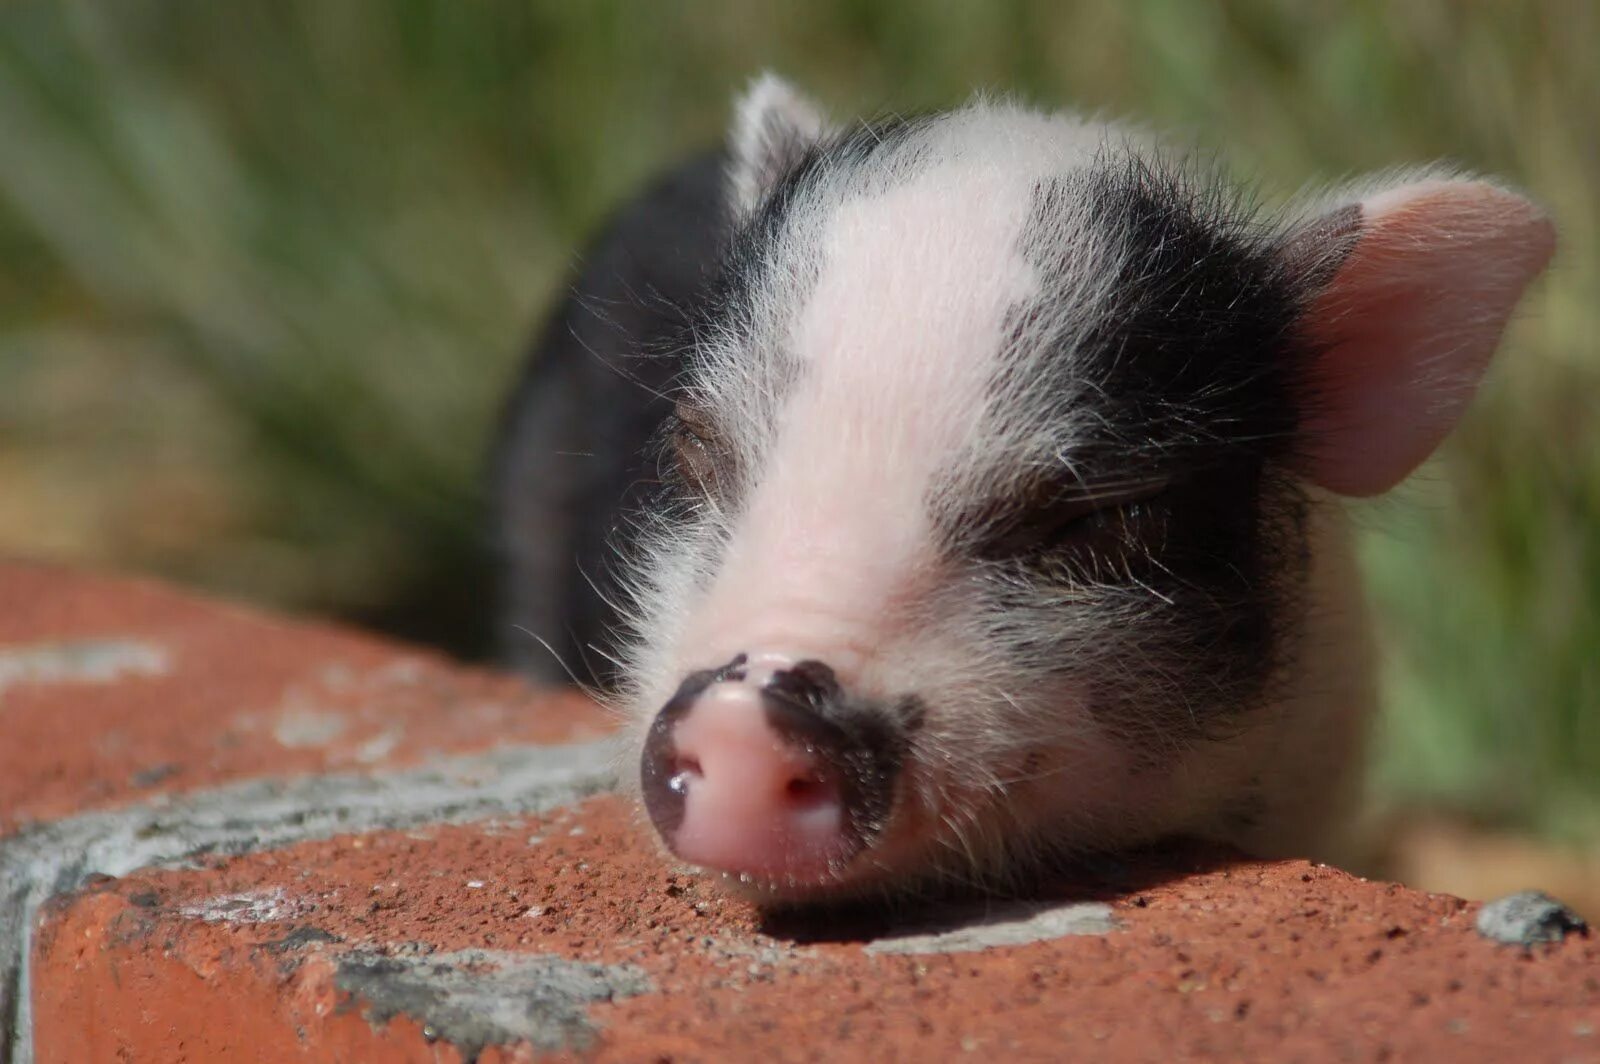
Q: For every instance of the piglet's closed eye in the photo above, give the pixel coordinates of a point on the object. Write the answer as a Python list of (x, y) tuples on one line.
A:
[(1407, 322)]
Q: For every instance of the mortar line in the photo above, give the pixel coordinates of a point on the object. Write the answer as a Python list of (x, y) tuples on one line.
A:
[(51, 858)]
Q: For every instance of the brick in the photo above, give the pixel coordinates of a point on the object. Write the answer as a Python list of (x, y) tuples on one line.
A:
[(563, 932), (295, 889), (115, 690), (142, 725)]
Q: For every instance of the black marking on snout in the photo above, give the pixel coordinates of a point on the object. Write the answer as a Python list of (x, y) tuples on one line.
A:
[(913, 713), (857, 744), (658, 763)]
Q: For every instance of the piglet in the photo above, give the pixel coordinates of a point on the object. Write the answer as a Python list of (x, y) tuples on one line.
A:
[(942, 496)]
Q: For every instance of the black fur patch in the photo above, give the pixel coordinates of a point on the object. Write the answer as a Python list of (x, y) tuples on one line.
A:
[(1192, 368), (1193, 351), (570, 454)]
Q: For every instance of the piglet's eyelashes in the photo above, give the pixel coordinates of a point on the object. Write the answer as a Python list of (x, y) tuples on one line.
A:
[(699, 455), (1052, 516)]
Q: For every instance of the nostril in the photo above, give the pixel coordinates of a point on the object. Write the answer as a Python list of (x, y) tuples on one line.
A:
[(810, 790), (684, 770)]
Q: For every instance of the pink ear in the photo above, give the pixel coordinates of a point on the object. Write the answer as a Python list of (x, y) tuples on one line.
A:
[(1408, 322)]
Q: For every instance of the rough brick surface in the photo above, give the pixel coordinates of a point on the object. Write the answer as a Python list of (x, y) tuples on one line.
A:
[(140, 726), (115, 690), (447, 902), (1240, 961)]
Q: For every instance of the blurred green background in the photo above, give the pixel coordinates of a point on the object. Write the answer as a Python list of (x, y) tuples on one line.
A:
[(266, 269)]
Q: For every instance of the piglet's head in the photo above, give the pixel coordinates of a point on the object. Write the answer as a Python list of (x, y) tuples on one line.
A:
[(984, 532)]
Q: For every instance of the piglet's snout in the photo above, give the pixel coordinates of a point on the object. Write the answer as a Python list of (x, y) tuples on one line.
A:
[(759, 771)]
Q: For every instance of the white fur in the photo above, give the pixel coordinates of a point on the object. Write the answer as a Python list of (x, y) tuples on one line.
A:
[(772, 124)]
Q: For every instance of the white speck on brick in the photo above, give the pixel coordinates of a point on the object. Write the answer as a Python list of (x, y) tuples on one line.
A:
[(250, 907), (302, 727), (379, 746), (474, 884), (81, 661)]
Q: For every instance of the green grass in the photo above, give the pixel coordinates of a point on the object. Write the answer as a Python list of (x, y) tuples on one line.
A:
[(265, 269)]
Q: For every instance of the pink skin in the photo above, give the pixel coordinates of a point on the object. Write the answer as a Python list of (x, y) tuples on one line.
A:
[(1410, 322), (754, 803)]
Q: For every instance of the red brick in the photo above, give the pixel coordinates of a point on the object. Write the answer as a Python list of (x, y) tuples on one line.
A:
[(1236, 960), (412, 942), (235, 695), (184, 1003)]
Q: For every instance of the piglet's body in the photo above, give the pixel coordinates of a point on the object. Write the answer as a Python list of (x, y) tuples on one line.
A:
[(956, 493)]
